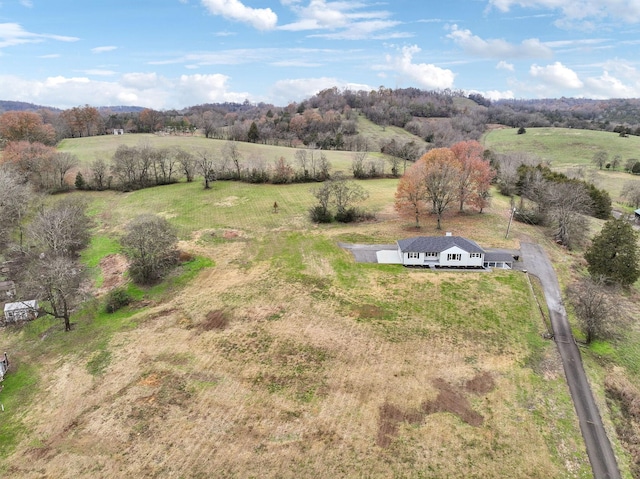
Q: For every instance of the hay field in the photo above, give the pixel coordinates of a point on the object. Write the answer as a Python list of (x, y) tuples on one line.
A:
[(286, 359)]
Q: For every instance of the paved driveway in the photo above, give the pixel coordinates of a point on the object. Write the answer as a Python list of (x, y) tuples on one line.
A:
[(367, 253), (599, 450)]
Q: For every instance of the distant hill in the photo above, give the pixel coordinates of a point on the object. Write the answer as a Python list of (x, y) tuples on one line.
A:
[(6, 105), (22, 106), (120, 109)]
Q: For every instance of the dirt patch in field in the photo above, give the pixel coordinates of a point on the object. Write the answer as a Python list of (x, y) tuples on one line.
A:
[(369, 311), (215, 320), (449, 399), (113, 267), (481, 383)]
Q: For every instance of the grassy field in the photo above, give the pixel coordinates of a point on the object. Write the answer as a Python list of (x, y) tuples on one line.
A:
[(90, 148), (567, 150), (563, 147), (276, 355)]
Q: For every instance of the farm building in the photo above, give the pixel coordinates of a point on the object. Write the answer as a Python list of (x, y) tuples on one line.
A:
[(637, 214), (449, 252), (20, 311)]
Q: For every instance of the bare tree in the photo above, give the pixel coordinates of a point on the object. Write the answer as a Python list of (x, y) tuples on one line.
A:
[(62, 163), (205, 163), (99, 174), (594, 306), (600, 158), (231, 151), (344, 193), (440, 170), (55, 281), (631, 192), (150, 244), (568, 203), (358, 164), (14, 203), (62, 229), (187, 163)]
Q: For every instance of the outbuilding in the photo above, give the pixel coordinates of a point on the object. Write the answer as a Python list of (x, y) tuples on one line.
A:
[(20, 311)]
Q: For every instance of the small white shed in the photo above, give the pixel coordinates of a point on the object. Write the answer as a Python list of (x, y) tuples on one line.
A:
[(20, 311)]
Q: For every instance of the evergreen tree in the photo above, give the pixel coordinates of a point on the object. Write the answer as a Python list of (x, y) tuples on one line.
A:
[(614, 253), (80, 183), (253, 135)]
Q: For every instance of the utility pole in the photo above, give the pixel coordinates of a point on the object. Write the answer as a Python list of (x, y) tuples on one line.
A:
[(513, 212)]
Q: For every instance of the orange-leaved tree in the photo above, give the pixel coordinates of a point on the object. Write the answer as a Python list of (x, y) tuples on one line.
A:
[(26, 126), (441, 172), (411, 195), (475, 175)]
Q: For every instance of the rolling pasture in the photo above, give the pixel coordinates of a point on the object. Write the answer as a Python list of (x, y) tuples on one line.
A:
[(563, 147), (274, 355), (567, 150), (277, 355)]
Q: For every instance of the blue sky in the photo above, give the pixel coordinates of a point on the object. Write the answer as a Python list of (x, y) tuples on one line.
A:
[(167, 54)]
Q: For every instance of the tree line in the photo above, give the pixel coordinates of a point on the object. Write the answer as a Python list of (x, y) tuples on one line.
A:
[(329, 119)]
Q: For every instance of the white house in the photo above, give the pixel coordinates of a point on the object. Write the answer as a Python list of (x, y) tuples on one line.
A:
[(441, 251), (20, 311), (449, 252)]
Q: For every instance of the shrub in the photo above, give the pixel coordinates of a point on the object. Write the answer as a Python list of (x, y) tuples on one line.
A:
[(318, 214), (636, 168), (116, 299)]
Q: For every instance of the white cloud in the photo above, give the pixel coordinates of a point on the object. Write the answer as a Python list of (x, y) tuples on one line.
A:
[(625, 10), (345, 18), (259, 18), (141, 89), (497, 48), (13, 34), (374, 30), (422, 74), (502, 65), (26, 3), (608, 86), (108, 48), (619, 79), (98, 72), (556, 75), (498, 95), (207, 88)]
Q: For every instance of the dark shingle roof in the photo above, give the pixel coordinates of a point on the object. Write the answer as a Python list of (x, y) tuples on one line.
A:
[(498, 256), (437, 244)]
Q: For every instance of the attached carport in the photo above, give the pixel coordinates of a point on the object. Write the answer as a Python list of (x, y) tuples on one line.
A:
[(498, 259)]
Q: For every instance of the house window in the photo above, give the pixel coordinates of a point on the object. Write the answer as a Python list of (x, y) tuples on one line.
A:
[(431, 254), (413, 255), (475, 255), (454, 257)]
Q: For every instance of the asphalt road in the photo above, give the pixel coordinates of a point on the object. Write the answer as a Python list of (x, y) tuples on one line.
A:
[(599, 450)]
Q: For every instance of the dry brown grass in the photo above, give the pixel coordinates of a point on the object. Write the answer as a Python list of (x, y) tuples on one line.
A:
[(246, 373)]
